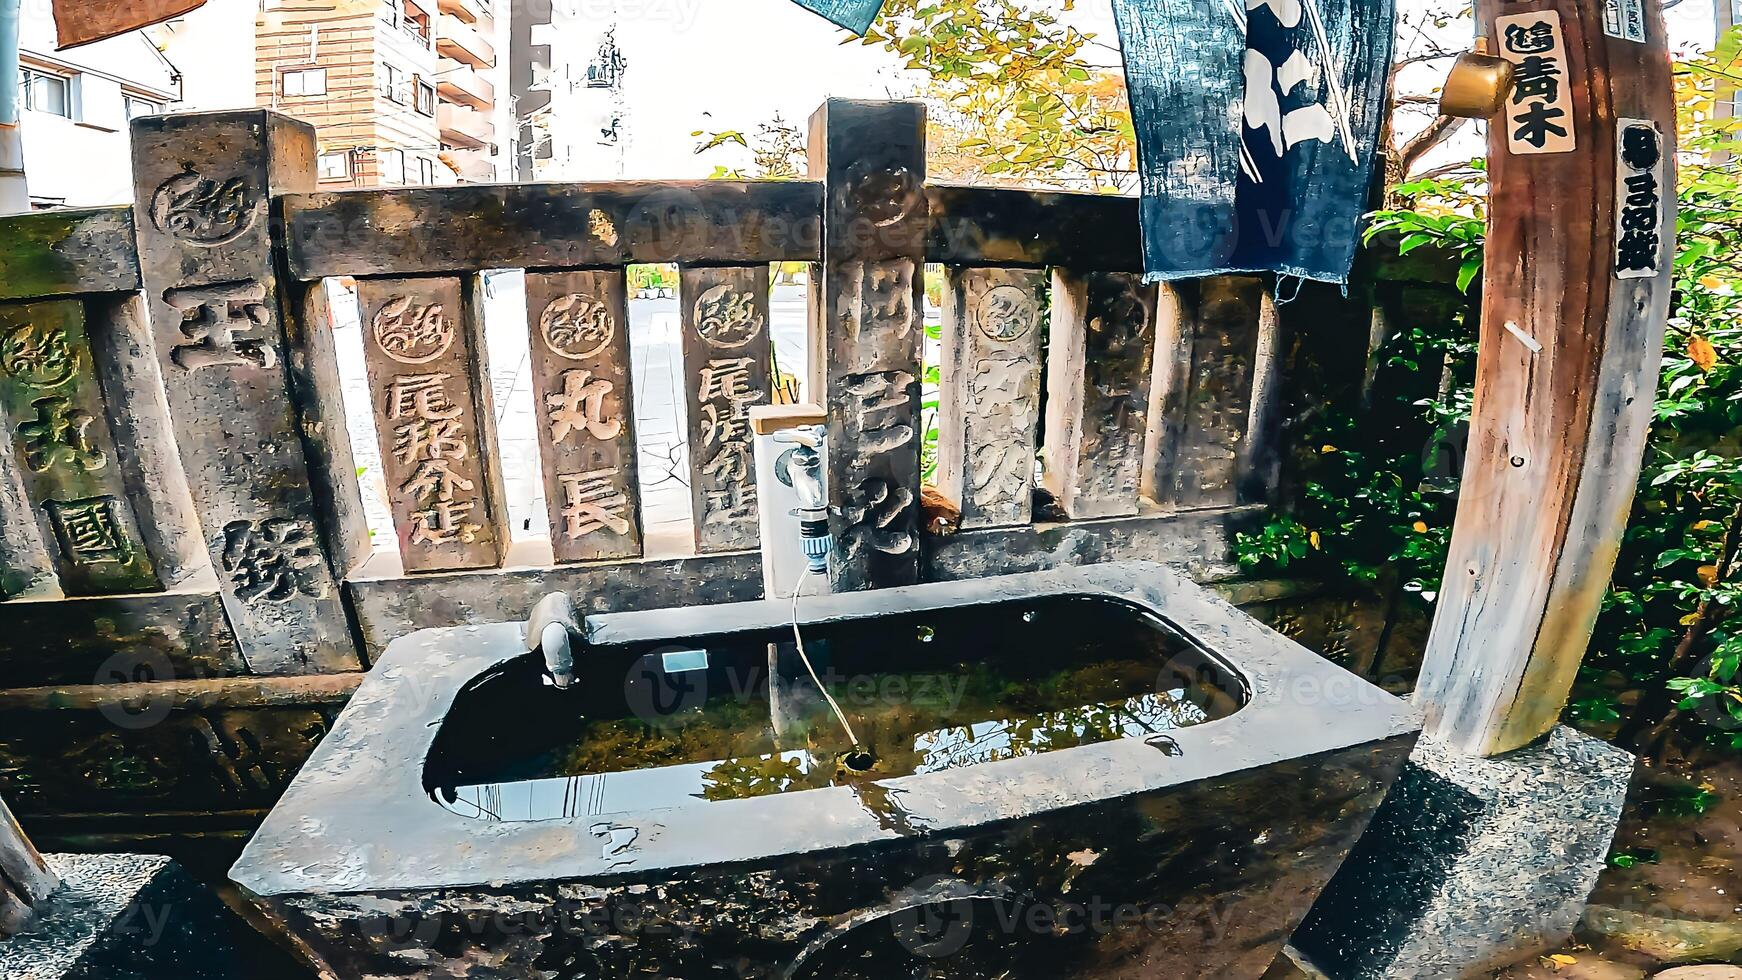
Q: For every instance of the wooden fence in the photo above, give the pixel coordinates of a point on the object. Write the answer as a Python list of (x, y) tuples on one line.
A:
[(182, 540)]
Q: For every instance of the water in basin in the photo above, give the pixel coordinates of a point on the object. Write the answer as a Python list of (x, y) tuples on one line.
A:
[(696, 720)]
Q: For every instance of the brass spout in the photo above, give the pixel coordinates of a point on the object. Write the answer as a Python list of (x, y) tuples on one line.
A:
[(1476, 86)]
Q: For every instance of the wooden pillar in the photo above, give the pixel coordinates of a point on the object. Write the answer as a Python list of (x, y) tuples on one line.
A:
[(25, 879), (871, 158), (1098, 381), (990, 377), (1581, 221), (57, 423), (586, 412), (26, 568), (727, 363), (1206, 363), (203, 216), (315, 384), (426, 372)]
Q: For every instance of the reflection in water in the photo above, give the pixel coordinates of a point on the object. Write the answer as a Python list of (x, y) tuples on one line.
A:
[(899, 753)]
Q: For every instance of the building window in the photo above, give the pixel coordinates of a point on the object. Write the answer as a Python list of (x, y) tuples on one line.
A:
[(426, 171), (392, 166), (47, 93), (307, 81), (398, 87), (426, 98), (137, 107), (336, 166)]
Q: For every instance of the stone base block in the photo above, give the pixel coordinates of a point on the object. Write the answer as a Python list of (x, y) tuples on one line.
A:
[(1471, 865), (132, 916)]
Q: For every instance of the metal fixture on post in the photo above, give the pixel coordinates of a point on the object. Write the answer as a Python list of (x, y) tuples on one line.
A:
[(551, 629), (791, 477), (1477, 85)]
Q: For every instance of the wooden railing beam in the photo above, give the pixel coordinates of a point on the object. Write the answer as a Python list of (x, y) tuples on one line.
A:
[(450, 230)]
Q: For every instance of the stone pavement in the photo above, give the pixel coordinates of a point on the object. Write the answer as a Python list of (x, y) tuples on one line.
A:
[(657, 361)]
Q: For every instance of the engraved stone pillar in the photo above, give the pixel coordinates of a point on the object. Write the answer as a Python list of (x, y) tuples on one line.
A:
[(871, 157), (426, 372), (132, 383), (1205, 365), (989, 395), (57, 426), (586, 413), (727, 363), (1098, 380), (314, 376), (26, 569), (203, 187)]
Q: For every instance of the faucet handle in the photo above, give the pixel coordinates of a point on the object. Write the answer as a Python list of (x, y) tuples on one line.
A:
[(810, 436), (551, 629)]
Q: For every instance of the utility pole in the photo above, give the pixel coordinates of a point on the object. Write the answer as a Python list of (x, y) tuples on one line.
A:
[(14, 193)]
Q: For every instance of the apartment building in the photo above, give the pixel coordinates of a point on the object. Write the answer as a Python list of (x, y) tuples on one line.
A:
[(567, 75), (74, 110), (399, 91)]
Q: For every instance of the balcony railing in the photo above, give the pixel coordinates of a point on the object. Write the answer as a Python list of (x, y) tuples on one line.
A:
[(464, 126), (473, 165), (458, 82), (470, 11), (463, 42)]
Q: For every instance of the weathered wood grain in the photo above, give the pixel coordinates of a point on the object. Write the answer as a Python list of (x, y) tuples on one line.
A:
[(67, 253), (203, 201), (25, 879), (728, 358), (1557, 433), (421, 349), (431, 230), (150, 461), (111, 639), (1201, 541), (26, 568), (583, 392), (1206, 360), (1098, 375), (871, 156), (56, 421), (79, 22), (388, 608), (989, 413), (314, 376), (198, 746), (974, 226)]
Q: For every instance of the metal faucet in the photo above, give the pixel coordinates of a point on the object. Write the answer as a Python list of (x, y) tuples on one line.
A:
[(551, 630), (802, 469)]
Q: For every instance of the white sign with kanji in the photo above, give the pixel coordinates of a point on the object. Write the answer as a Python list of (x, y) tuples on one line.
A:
[(1639, 190), (1538, 114)]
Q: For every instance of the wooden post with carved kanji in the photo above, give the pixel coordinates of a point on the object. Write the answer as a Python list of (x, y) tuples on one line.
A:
[(1208, 364), (871, 158), (988, 423), (728, 358), (1580, 248), (210, 268), (583, 390), (1099, 373)]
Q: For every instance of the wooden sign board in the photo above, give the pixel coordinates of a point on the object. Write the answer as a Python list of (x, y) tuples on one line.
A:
[(80, 22), (1539, 109)]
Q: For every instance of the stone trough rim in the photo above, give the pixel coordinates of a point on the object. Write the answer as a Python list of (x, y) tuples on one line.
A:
[(358, 820)]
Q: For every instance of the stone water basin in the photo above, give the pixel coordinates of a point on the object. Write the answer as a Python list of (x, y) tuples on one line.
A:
[(1095, 772)]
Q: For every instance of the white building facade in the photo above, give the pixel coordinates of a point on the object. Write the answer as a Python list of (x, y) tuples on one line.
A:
[(75, 110)]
